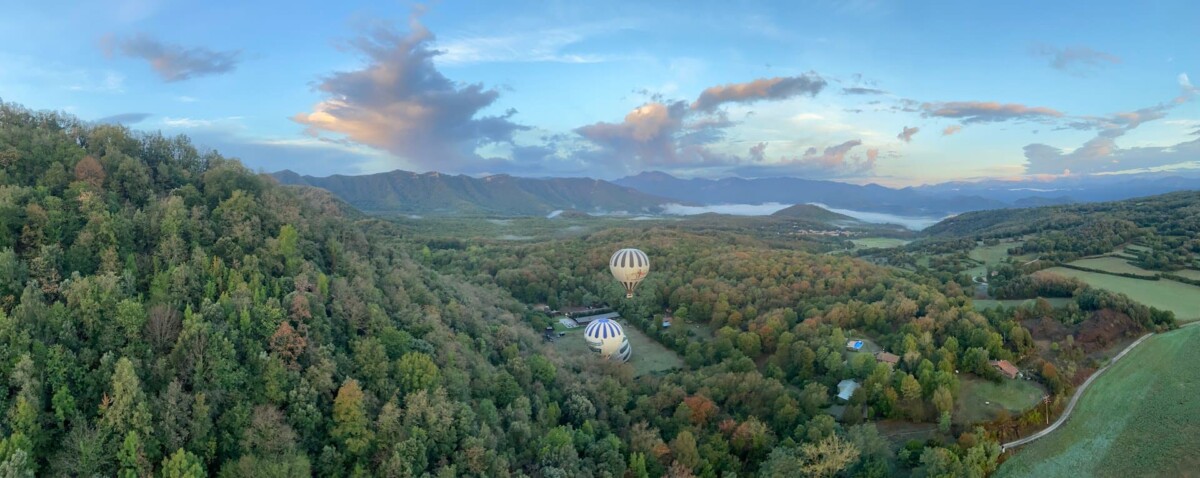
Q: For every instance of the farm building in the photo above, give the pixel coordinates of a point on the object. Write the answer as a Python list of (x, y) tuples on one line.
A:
[(846, 389), (854, 345), (888, 358), (543, 308), (582, 320), (1005, 368)]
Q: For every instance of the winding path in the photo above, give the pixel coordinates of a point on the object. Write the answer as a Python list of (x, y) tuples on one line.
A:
[(1079, 393)]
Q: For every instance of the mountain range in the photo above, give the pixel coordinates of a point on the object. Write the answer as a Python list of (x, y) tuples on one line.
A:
[(403, 192)]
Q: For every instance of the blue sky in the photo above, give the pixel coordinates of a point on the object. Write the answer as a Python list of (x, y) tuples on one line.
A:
[(860, 91)]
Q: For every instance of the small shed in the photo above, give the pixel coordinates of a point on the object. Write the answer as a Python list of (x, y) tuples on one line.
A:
[(846, 389), (854, 345)]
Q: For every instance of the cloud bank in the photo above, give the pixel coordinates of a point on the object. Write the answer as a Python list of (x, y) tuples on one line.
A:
[(172, 62), (778, 88), (1077, 60), (399, 102), (987, 111)]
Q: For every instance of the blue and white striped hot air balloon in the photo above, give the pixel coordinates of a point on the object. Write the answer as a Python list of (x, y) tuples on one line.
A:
[(629, 267), (607, 338)]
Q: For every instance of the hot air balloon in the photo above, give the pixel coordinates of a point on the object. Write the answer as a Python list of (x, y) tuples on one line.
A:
[(607, 338), (629, 266)]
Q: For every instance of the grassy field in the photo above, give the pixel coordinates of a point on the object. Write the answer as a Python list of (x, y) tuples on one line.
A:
[(981, 304), (1183, 299), (989, 256), (1188, 273), (992, 254), (981, 400), (1115, 265), (878, 242), (1138, 419), (648, 356)]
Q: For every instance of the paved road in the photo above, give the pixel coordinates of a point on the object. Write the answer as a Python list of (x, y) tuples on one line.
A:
[(1078, 393)]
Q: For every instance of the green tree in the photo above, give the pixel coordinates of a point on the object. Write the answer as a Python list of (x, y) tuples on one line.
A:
[(182, 464), (351, 426), (683, 448), (417, 372)]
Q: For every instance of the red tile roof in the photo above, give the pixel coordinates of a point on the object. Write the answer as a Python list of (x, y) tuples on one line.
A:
[(1005, 367)]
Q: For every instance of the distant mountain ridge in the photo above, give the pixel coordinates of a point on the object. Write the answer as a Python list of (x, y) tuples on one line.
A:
[(405, 192), (870, 197), (941, 199)]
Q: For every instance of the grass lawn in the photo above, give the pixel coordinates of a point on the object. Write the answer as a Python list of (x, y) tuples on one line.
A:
[(981, 304), (1183, 299), (648, 356), (1138, 419), (981, 400), (1113, 264), (878, 242)]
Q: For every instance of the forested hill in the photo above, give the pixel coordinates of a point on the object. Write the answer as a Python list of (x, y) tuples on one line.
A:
[(434, 193), (813, 213), (167, 312), (1168, 225)]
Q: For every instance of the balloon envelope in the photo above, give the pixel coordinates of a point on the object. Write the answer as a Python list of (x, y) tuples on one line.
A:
[(629, 267)]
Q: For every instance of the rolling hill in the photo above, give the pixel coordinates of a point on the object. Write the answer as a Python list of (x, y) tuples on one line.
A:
[(812, 213), (403, 192)]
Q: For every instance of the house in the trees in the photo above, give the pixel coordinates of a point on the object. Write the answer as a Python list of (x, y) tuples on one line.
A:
[(1005, 368), (888, 358)]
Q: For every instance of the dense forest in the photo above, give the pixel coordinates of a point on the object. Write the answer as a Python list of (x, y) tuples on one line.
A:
[(167, 312), (164, 311)]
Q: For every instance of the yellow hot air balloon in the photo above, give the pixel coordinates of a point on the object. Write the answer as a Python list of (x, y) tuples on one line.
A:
[(629, 266)]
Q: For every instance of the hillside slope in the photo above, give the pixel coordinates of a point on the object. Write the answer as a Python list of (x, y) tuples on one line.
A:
[(434, 193), (169, 313)]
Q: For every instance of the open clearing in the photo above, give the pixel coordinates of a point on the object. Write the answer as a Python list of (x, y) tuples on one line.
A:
[(648, 356), (1183, 299), (1138, 419), (992, 254), (981, 304), (878, 242), (989, 256), (1115, 265), (974, 395)]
